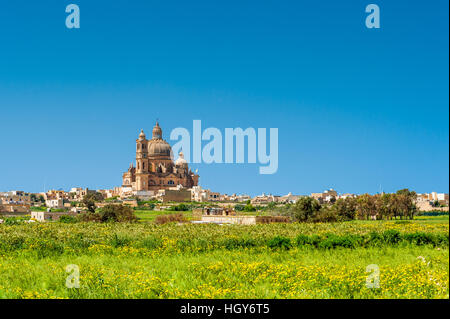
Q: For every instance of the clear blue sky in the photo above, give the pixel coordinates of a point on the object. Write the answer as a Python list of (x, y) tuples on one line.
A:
[(356, 108)]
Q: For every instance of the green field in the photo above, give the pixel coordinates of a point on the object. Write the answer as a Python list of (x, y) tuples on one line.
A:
[(145, 260), (150, 215)]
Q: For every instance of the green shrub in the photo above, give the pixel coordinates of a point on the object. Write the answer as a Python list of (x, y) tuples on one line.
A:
[(179, 208), (236, 243), (111, 213), (68, 219), (391, 236), (201, 244), (80, 242), (375, 239), (302, 240), (185, 244), (433, 213), (346, 241), (151, 242), (57, 210), (48, 247), (12, 242), (119, 241), (441, 240), (280, 242), (420, 238), (10, 221)]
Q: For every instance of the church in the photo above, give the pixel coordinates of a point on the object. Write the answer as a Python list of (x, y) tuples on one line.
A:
[(155, 168)]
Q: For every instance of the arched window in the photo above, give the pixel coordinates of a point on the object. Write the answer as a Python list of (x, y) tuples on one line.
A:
[(171, 182)]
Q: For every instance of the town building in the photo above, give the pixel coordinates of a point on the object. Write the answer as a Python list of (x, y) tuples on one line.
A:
[(326, 196), (77, 193), (239, 198), (50, 216), (432, 201), (15, 197), (264, 199), (347, 195), (174, 195), (57, 203), (199, 194), (442, 198), (289, 198)]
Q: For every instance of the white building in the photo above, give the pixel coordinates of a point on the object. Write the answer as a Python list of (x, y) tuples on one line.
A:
[(55, 203)]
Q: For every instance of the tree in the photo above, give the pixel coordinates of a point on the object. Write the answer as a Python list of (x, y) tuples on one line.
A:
[(33, 198), (111, 213), (366, 206), (90, 199), (117, 213), (383, 204), (249, 207), (406, 203), (305, 209), (345, 208), (325, 214)]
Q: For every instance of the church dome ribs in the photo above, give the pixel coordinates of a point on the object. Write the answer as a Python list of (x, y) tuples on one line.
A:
[(159, 148)]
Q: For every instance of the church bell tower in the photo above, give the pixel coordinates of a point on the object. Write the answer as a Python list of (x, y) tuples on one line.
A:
[(142, 162)]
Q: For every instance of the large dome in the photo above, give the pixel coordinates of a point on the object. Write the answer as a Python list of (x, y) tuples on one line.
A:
[(159, 147)]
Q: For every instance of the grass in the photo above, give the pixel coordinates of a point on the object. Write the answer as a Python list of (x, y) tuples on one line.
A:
[(233, 274), (432, 219), (150, 215), (145, 260)]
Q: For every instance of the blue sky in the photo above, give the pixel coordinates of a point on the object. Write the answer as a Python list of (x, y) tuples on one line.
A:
[(357, 109)]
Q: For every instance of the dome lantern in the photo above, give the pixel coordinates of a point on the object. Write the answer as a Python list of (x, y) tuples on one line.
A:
[(142, 135), (157, 132)]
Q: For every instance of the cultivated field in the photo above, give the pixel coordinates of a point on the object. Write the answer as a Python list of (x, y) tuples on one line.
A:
[(306, 260)]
